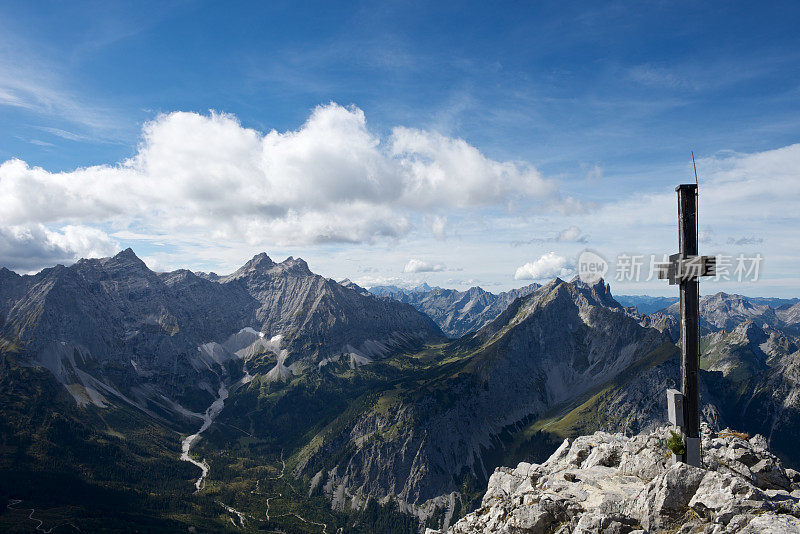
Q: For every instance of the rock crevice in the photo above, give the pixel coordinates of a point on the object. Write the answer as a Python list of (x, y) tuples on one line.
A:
[(611, 483)]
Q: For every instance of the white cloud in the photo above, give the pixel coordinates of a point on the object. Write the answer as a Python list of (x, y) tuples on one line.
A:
[(331, 180), (762, 190), (28, 247), (420, 266), (741, 195), (548, 265), (39, 142), (217, 192), (594, 173), (572, 234), (84, 241), (64, 134), (450, 172), (372, 281), (747, 240), (657, 76), (439, 227)]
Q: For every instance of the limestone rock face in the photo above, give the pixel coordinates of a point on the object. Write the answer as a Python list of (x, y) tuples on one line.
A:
[(546, 349), (611, 483), (790, 315), (755, 368), (117, 308), (112, 324), (663, 322)]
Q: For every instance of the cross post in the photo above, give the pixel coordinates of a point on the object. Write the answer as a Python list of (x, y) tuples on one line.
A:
[(685, 270)]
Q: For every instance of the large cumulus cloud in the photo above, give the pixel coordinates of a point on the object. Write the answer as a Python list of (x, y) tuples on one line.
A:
[(547, 266), (25, 248), (331, 180)]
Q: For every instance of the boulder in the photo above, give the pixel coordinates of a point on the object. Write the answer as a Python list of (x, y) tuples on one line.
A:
[(721, 496), (664, 500), (610, 483), (769, 474)]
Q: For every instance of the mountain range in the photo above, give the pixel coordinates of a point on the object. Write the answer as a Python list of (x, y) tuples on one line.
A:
[(456, 312), (275, 398)]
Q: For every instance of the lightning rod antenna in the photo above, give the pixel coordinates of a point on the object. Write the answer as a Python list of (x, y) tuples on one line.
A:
[(697, 197)]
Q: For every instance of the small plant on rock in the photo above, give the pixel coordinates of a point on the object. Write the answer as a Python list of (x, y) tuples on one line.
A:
[(675, 443)]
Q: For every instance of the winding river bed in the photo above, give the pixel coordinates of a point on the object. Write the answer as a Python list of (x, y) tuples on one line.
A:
[(208, 418)]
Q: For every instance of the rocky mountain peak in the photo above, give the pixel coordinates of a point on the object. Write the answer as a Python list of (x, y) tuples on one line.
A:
[(611, 483), (125, 266), (600, 291), (126, 259), (571, 293), (127, 253), (522, 308), (750, 332), (476, 291), (729, 301), (553, 284), (262, 264), (212, 276), (7, 275), (259, 263), (297, 266)]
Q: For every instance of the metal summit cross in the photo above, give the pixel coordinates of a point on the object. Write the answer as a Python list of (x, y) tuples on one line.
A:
[(685, 270)]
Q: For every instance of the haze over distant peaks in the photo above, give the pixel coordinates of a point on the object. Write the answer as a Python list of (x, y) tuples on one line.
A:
[(456, 312)]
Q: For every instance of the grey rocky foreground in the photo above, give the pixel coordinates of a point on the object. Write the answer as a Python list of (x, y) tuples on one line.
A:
[(615, 484)]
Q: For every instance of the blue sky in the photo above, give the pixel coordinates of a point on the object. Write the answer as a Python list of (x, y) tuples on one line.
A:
[(598, 105)]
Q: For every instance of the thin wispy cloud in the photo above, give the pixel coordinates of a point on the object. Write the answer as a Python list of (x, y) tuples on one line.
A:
[(40, 143), (573, 234), (32, 83), (30, 89), (64, 134)]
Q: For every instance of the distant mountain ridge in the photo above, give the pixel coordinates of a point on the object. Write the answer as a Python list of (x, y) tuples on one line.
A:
[(456, 312), (645, 304), (724, 311)]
